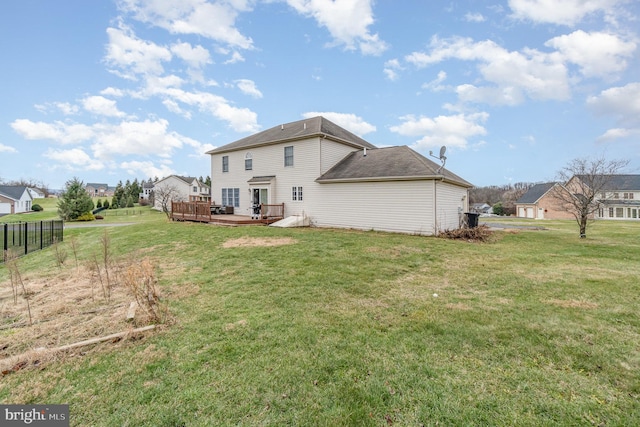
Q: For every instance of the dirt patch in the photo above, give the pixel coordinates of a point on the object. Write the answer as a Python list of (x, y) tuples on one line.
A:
[(258, 241), (572, 303)]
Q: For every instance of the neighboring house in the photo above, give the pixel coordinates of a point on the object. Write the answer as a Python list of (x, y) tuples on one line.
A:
[(337, 179), (539, 203), (621, 200), (179, 189), (36, 193), (147, 189), (482, 208), (15, 199), (99, 190)]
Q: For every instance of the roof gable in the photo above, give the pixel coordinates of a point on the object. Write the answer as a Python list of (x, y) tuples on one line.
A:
[(535, 193), (14, 192), (307, 128), (388, 163)]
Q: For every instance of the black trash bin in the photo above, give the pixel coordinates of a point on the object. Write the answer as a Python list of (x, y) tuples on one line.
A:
[(472, 219)]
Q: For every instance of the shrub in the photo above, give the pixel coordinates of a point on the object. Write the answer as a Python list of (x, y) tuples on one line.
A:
[(98, 216), (86, 217), (99, 204), (36, 208), (106, 204), (143, 202)]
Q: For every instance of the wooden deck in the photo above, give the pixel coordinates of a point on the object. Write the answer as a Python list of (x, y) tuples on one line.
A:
[(202, 212)]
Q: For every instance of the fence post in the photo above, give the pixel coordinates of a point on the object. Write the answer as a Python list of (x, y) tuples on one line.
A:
[(26, 238), (5, 243), (41, 225)]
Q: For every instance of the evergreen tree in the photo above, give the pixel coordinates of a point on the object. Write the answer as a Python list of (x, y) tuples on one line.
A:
[(114, 202), (99, 204), (106, 204), (208, 181), (119, 194), (129, 202), (74, 201)]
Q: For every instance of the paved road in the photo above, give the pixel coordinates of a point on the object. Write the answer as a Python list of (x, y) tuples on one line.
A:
[(512, 226)]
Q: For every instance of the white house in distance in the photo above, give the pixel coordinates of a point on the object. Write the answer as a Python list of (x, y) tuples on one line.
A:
[(621, 200), (15, 199), (336, 179), (179, 189)]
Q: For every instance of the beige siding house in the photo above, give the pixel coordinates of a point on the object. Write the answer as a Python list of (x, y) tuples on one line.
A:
[(175, 188), (334, 178)]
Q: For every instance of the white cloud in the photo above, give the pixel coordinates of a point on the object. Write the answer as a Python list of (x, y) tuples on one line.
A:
[(624, 104), (213, 20), (436, 84), (565, 12), (347, 21), (533, 73), (112, 91), (235, 58), (144, 138), (132, 56), (196, 57), (452, 131), (474, 17), (248, 87), (391, 68), (57, 131), (74, 159), (7, 149), (597, 54), (351, 122), (66, 108), (102, 106), (147, 168)]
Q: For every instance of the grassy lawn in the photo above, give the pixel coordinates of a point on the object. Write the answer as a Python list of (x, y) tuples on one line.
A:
[(331, 328)]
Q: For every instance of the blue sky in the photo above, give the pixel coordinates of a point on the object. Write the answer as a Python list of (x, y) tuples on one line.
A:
[(115, 90)]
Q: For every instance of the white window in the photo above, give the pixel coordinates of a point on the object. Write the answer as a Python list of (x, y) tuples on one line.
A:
[(225, 163), (619, 212), (248, 162), (231, 197), (288, 156), (296, 193)]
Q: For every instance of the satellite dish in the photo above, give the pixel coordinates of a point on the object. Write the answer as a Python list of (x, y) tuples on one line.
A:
[(442, 157)]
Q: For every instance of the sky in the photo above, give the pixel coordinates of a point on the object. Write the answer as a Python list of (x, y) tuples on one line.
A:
[(115, 90)]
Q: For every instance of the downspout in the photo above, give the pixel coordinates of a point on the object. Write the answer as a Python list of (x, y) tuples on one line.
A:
[(435, 207)]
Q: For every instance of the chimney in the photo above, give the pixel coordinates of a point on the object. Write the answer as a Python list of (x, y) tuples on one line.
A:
[(365, 151)]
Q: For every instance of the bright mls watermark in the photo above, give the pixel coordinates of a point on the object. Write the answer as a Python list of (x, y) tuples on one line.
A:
[(34, 415)]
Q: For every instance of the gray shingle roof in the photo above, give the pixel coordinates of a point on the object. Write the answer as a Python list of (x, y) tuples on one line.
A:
[(623, 182), (316, 126), (12, 191), (535, 193), (391, 163)]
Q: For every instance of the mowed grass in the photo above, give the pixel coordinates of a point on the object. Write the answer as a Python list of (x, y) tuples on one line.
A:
[(341, 328)]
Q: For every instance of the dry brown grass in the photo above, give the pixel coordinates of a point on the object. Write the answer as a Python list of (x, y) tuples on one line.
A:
[(66, 307), (481, 233), (258, 241)]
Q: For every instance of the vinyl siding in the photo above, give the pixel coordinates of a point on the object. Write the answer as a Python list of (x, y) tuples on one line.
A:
[(398, 206), (451, 204)]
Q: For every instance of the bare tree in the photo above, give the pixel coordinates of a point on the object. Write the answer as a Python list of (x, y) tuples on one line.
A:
[(163, 195), (585, 183)]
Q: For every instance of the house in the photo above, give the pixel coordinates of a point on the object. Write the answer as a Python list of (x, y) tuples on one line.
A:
[(99, 190), (14, 199), (36, 193), (482, 208), (175, 188), (539, 202), (147, 189), (620, 198), (325, 173)]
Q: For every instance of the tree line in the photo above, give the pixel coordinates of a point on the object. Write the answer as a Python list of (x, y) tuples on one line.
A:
[(502, 198)]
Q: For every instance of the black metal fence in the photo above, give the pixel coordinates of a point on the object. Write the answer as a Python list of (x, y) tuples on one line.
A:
[(21, 238)]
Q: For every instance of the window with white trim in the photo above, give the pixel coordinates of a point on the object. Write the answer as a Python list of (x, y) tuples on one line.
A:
[(231, 197), (225, 163), (248, 162), (288, 156), (296, 193)]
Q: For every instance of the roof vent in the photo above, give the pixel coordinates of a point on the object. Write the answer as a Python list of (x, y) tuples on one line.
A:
[(305, 125), (282, 127), (365, 151)]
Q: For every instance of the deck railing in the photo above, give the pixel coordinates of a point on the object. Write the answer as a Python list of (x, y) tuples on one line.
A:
[(194, 211), (271, 211), (21, 238)]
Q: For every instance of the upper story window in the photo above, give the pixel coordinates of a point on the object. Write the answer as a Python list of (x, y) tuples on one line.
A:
[(616, 196), (248, 162), (225, 163), (195, 189), (628, 196), (288, 156)]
